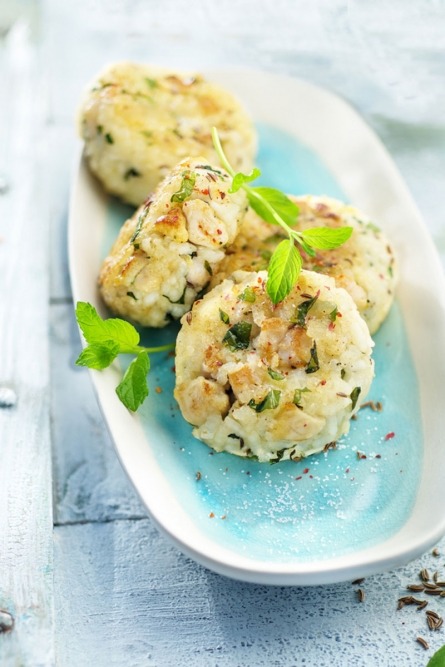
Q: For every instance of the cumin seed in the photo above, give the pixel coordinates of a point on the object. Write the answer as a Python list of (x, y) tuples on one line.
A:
[(431, 623), (424, 574), (435, 552), (361, 595), (430, 586), (357, 582), (422, 642), (416, 587)]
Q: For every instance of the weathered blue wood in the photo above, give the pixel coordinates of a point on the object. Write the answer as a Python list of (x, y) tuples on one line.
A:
[(124, 596), (89, 484), (26, 584)]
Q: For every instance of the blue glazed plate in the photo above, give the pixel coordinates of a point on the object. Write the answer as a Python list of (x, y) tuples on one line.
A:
[(376, 501)]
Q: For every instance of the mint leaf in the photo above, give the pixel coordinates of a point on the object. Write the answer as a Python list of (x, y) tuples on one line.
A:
[(284, 269), (107, 339), (133, 388), (97, 330), (239, 179), (263, 199), (326, 238), (438, 659), (275, 207), (98, 355)]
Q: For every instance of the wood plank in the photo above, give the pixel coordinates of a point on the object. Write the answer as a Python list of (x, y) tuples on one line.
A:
[(125, 596), (25, 467)]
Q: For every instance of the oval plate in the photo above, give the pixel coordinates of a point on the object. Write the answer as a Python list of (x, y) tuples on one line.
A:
[(377, 500)]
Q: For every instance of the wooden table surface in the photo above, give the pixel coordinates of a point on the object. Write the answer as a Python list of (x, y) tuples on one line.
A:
[(85, 578)]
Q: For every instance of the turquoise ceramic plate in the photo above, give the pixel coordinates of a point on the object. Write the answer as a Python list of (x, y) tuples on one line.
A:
[(336, 515)]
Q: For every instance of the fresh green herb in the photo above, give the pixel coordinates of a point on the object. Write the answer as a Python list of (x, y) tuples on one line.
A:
[(355, 393), (108, 338), (202, 291), (240, 179), (269, 402), (108, 138), (208, 167), (343, 373), (333, 314), (275, 375), (98, 355), (279, 455), (181, 299), (133, 388), (223, 317), (302, 310), (100, 129), (372, 227), (137, 231), (317, 237), (132, 295), (266, 254), (438, 659), (248, 294), (297, 396), (186, 189), (276, 208), (208, 268), (131, 173), (313, 364), (284, 269), (238, 336), (151, 83)]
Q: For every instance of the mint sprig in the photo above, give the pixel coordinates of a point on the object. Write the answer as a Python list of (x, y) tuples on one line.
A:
[(275, 207), (108, 338)]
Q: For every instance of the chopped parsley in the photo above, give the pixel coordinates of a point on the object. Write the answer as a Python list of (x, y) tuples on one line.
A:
[(186, 188), (355, 393), (279, 456), (269, 402), (297, 396), (313, 365), (238, 336), (302, 310), (224, 317), (136, 232), (131, 173), (333, 314), (248, 295), (275, 375)]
